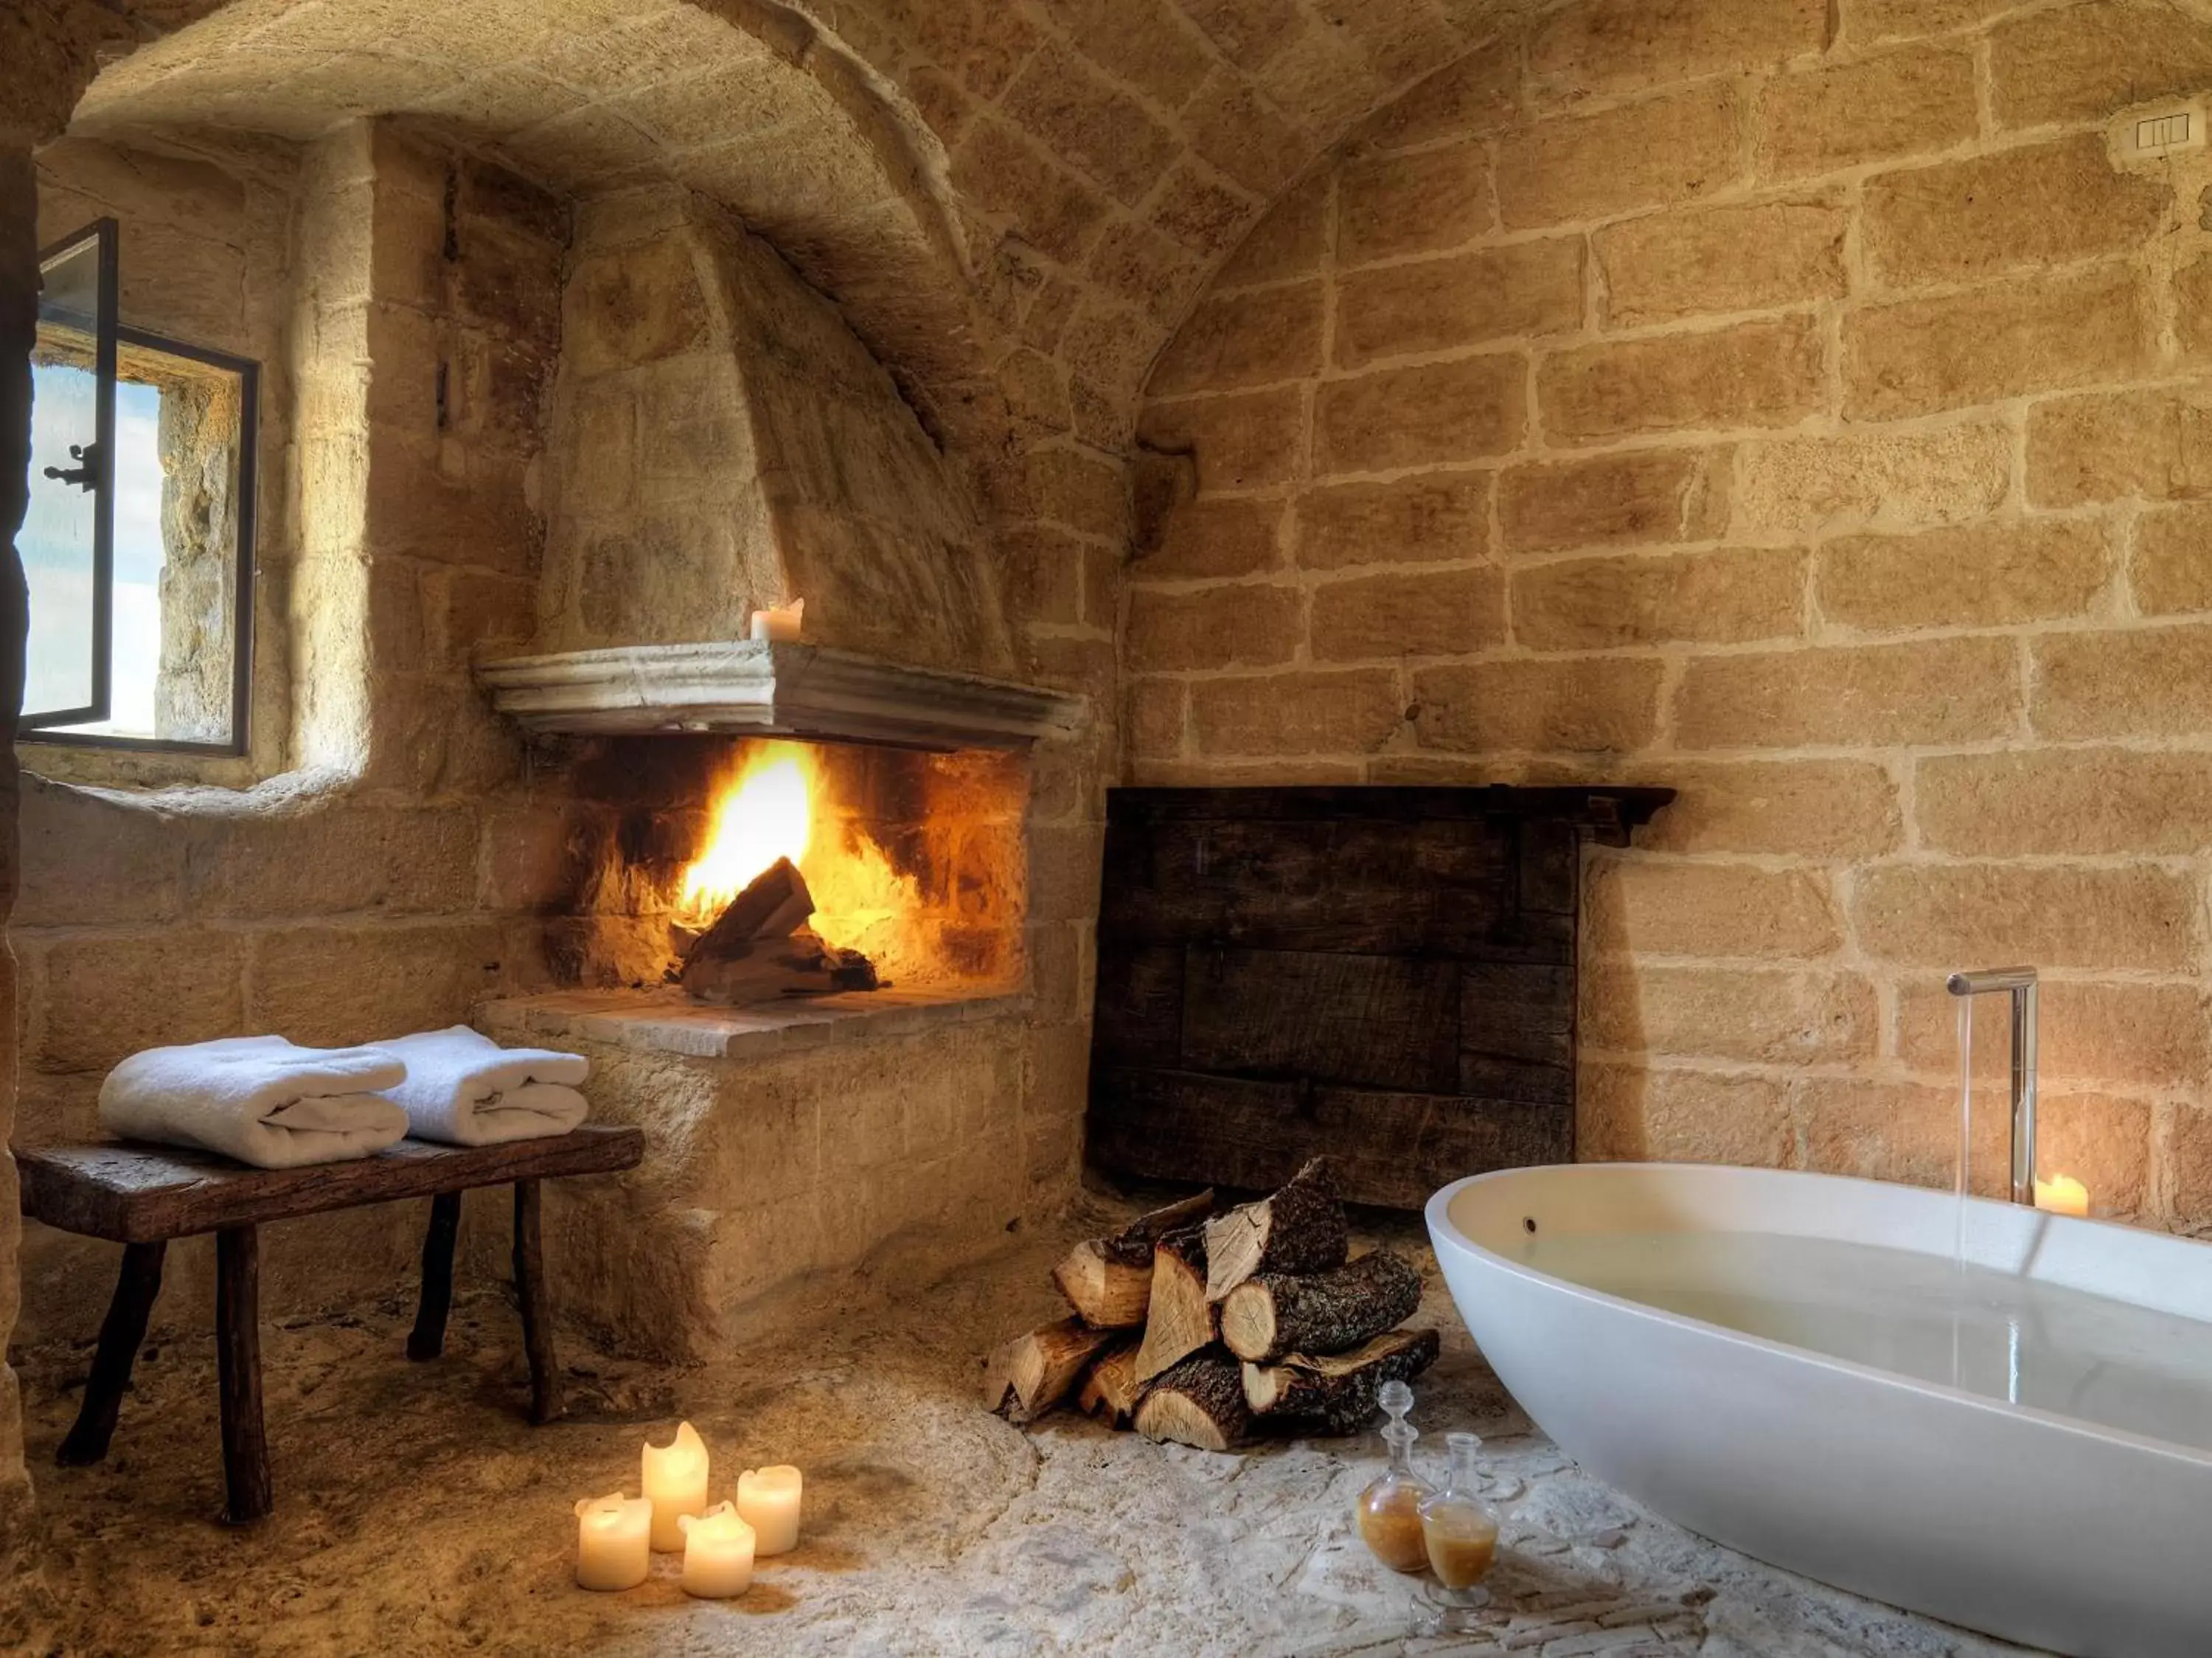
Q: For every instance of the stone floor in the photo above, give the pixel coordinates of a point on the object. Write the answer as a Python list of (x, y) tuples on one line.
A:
[(418, 1514)]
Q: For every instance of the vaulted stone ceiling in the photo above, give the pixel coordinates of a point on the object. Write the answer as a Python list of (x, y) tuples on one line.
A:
[(1015, 200)]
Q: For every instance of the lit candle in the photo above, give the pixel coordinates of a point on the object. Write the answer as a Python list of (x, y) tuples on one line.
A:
[(767, 1499), (676, 1480), (717, 1554), (2062, 1194), (780, 625), (613, 1539)]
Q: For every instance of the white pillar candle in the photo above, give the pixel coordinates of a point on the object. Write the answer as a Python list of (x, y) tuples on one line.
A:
[(717, 1554), (780, 625), (768, 1500), (676, 1480), (613, 1538)]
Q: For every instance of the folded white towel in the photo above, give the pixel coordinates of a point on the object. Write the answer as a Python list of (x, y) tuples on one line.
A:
[(464, 1089), (258, 1099)]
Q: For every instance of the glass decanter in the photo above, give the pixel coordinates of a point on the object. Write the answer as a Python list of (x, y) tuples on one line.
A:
[(1459, 1533), (1389, 1511)]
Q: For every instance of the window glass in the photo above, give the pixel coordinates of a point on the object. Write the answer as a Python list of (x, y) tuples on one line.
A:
[(56, 543), (173, 621), (137, 544), (64, 540)]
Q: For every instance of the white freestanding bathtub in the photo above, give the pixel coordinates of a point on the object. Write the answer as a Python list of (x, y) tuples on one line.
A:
[(1772, 1359)]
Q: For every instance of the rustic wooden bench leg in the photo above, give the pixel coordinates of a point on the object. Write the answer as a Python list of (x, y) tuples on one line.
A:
[(121, 1334), (247, 1493), (537, 1310), (427, 1339)]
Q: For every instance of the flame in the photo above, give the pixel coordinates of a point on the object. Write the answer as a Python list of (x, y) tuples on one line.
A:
[(764, 813), (775, 806)]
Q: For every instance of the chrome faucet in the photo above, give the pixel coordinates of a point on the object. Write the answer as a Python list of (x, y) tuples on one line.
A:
[(2020, 982)]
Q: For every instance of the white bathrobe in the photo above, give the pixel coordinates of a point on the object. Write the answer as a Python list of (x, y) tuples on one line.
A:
[(464, 1089), (259, 1098)]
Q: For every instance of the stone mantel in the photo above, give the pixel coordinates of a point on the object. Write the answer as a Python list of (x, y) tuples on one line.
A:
[(759, 688)]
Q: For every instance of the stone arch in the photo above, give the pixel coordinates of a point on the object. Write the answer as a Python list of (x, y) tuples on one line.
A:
[(739, 100)]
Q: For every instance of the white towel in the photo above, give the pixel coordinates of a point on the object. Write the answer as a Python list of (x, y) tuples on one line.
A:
[(258, 1099), (464, 1089)]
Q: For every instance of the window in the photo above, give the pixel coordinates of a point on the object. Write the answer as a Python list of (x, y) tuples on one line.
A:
[(138, 542)]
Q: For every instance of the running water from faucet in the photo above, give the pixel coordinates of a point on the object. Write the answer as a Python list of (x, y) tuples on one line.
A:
[(1965, 1159)]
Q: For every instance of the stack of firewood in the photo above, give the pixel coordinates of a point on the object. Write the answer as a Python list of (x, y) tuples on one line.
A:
[(1210, 1329)]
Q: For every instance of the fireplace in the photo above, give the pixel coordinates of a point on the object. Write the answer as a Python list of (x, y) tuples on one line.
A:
[(909, 862), (799, 1122)]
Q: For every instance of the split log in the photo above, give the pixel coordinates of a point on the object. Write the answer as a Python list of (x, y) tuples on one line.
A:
[(1275, 1314), (1180, 1319), (1198, 1402), (1111, 1391), (775, 905), (1110, 1280), (1336, 1395), (759, 948), (1299, 1229), (1029, 1375)]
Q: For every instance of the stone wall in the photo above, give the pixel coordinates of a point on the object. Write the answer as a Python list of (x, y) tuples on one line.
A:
[(1798, 404), (722, 441), (19, 313), (394, 881), (818, 1169)]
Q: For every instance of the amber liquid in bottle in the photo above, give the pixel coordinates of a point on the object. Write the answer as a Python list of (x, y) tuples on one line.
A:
[(1459, 1534), (1388, 1511)]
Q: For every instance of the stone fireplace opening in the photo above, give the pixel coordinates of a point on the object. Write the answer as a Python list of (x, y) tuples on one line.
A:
[(912, 860)]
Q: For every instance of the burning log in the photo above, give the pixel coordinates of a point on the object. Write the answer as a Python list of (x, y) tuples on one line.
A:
[(759, 948)]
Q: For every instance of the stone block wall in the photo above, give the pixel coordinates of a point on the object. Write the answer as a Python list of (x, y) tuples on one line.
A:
[(1799, 403), (391, 877), (722, 441), (788, 1173)]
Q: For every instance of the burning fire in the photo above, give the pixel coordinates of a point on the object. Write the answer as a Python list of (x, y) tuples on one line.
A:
[(771, 808)]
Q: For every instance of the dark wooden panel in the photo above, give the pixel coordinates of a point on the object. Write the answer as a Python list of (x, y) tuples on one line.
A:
[(1371, 888), (1392, 1149), (1138, 1020), (137, 1193), (1387, 975), (1517, 1032), (1605, 811), (1381, 1021)]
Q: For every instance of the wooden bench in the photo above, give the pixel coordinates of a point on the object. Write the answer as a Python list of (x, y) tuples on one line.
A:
[(142, 1195)]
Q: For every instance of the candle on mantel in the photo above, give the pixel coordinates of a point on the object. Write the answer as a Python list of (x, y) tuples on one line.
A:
[(717, 1554), (676, 1480), (2062, 1194), (780, 625), (767, 1499), (613, 1541)]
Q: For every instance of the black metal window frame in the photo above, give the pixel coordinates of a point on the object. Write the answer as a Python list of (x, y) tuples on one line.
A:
[(241, 674), (98, 463)]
